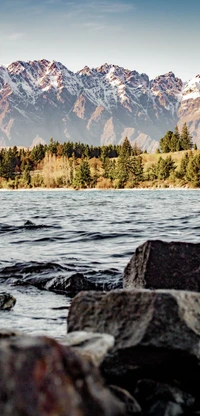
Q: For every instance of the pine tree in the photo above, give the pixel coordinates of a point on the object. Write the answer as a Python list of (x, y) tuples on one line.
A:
[(126, 147), (165, 142), (82, 177), (165, 167), (186, 138), (193, 170), (183, 166), (124, 163)]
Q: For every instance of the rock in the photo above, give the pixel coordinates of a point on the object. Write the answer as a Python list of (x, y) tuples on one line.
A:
[(8, 333), (157, 334), (69, 285), (7, 301), (162, 399), (132, 407), (90, 345), (161, 265), (72, 285), (40, 377)]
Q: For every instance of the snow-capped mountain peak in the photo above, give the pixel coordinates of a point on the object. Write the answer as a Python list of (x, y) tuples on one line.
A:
[(97, 105)]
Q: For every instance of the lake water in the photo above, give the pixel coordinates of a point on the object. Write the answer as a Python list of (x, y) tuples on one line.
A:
[(90, 232)]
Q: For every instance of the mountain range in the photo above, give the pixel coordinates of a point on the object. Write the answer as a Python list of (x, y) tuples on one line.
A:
[(43, 99)]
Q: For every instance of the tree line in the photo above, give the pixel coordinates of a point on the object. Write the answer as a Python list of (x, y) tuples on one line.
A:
[(78, 165)]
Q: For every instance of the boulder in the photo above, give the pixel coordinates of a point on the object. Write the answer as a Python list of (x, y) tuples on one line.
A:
[(40, 377), (69, 285), (75, 284), (90, 345), (161, 265), (157, 334), (132, 407), (162, 399), (7, 301)]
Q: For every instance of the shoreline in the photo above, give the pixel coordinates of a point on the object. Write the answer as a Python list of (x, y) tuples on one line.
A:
[(98, 189)]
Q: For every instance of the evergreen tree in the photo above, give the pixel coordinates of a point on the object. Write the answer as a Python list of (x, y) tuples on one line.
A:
[(124, 163), (183, 166), (26, 175), (176, 133), (165, 142), (126, 147), (193, 170), (37, 153), (152, 172), (173, 143), (7, 164), (110, 170), (135, 171), (82, 176), (165, 167), (53, 146), (186, 138)]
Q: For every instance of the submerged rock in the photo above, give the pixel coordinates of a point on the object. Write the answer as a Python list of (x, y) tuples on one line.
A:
[(7, 301), (40, 377), (161, 265), (132, 407), (69, 285), (162, 399), (89, 344), (157, 334), (72, 285)]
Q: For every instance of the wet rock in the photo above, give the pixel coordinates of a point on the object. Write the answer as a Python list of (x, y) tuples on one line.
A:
[(40, 377), (132, 407), (162, 399), (161, 265), (157, 334), (72, 285), (7, 301), (8, 333), (89, 344), (69, 285), (29, 224)]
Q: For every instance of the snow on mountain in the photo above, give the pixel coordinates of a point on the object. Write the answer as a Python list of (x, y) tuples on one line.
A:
[(191, 90), (43, 99)]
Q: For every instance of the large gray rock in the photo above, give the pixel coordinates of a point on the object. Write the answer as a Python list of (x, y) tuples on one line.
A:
[(89, 345), (157, 333), (40, 377), (161, 265)]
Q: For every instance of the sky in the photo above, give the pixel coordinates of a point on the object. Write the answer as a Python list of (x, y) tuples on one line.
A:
[(150, 36)]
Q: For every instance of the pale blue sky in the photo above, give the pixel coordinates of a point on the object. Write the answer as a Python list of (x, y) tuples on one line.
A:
[(151, 36)]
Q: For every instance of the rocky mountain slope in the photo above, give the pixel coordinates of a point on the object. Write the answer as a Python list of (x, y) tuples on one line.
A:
[(43, 99)]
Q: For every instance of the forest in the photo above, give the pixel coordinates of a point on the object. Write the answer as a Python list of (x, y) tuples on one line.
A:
[(176, 163)]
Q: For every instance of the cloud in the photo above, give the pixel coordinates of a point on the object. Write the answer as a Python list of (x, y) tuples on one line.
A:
[(115, 7), (93, 25), (98, 16), (15, 36), (11, 37)]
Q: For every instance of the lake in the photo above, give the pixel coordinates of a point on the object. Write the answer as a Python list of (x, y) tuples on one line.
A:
[(47, 234)]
